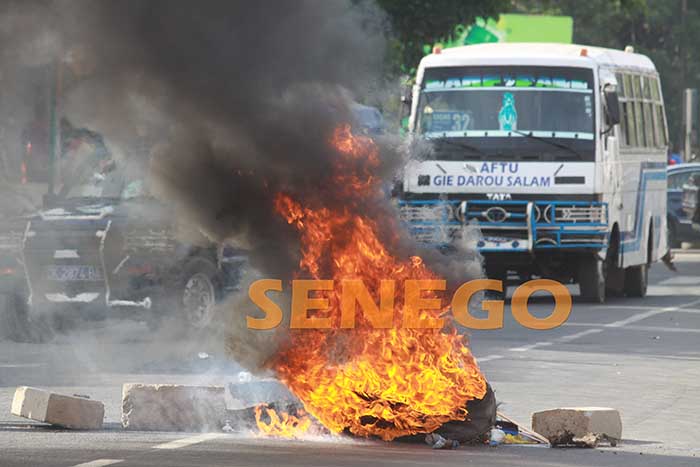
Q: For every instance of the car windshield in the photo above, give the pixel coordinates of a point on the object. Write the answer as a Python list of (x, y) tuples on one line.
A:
[(528, 112), (114, 184)]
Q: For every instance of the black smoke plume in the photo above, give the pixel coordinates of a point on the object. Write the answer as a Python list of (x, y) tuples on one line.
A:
[(238, 98)]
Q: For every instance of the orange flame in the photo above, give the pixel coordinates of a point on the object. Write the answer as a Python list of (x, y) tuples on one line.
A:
[(284, 426), (371, 382)]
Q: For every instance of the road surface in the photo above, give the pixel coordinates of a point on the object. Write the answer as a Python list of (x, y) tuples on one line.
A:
[(639, 356)]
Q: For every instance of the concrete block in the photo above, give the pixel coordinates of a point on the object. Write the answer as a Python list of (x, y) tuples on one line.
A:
[(172, 407), (250, 394), (66, 411), (567, 425)]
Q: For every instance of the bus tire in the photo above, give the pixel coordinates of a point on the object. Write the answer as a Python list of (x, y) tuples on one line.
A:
[(591, 279), (636, 280), (637, 277), (614, 274)]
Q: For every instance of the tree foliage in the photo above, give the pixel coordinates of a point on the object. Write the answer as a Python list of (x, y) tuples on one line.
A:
[(653, 27), (414, 23)]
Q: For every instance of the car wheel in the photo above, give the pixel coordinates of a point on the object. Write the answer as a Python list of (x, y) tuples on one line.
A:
[(673, 241), (591, 279), (14, 323), (198, 293)]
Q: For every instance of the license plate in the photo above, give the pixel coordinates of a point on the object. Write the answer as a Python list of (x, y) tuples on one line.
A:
[(73, 273), (498, 240)]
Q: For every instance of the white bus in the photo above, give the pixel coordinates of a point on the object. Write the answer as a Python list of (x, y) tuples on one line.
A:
[(556, 151)]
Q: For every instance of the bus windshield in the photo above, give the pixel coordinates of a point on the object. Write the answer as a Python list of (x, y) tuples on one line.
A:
[(544, 113)]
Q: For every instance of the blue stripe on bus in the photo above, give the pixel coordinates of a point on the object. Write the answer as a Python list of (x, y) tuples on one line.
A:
[(632, 243)]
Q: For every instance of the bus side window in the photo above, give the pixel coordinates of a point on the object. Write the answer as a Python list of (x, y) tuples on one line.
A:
[(661, 125), (658, 109), (649, 129), (631, 132), (646, 87), (623, 110), (648, 125), (638, 115)]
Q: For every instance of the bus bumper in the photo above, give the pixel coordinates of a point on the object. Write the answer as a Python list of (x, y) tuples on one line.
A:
[(512, 226)]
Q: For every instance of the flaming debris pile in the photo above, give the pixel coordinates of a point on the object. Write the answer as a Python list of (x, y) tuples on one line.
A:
[(373, 382), (282, 425)]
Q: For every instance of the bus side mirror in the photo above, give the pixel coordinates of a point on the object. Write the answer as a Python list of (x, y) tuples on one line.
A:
[(406, 96), (406, 103), (612, 107)]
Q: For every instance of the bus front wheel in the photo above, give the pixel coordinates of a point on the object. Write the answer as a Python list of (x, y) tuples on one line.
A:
[(591, 279)]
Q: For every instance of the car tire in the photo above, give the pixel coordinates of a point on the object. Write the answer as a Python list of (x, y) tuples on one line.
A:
[(196, 293), (636, 281), (591, 279), (14, 321), (19, 323), (673, 241)]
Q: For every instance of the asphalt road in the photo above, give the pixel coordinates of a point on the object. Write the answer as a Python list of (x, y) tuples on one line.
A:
[(639, 356)]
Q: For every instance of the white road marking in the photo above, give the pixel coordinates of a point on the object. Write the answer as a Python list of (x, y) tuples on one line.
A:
[(635, 318), (525, 348), (21, 365), (639, 328), (488, 358), (679, 280), (682, 309), (184, 442), (600, 327), (687, 310), (558, 340), (572, 337), (178, 443), (661, 329), (100, 463), (649, 314), (626, 307)]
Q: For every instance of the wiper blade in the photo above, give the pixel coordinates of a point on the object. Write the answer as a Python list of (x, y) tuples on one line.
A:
[(552, 143), (460, 145)]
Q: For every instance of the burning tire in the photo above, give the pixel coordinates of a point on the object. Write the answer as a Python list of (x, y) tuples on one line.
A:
[(481, 418), (591, 279)]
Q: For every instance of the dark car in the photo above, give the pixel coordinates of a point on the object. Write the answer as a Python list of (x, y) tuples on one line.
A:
[(680, 227), (109, 248)]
